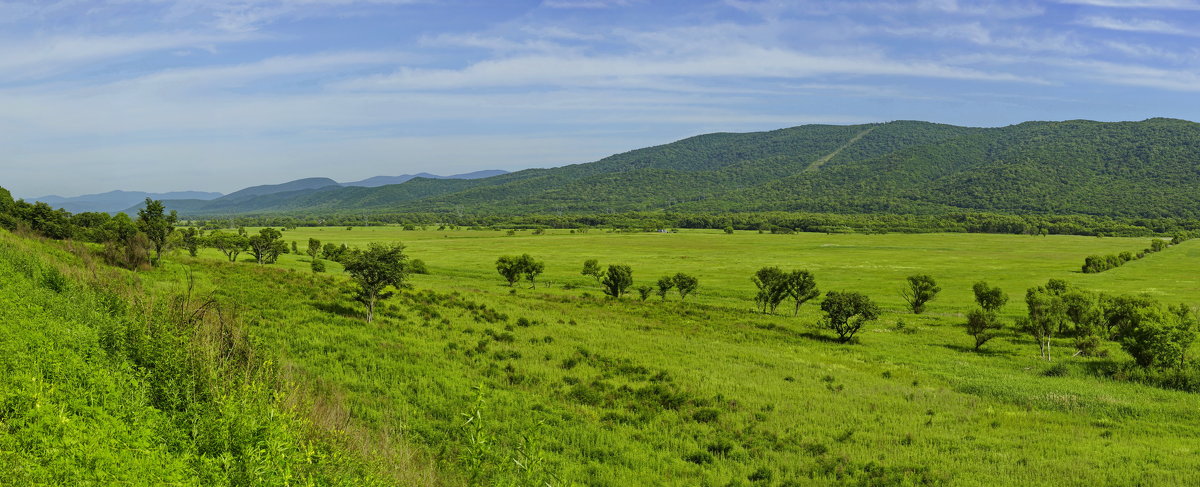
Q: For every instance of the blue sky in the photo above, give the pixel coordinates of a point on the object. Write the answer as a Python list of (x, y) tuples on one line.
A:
[(215, 95)]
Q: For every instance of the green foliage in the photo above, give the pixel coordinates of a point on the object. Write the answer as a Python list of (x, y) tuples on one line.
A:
[(921, 289), (773, 285), (1160, 337), (591, 268), (664, 286), (314, 248), (1047, 314), (191, 240), (375, 270), (983, 325), (801, 287), (991, 299), (229, 244), (317, 266), (685, 284), (104, 385), (156, 225), (267, 245), (644, 292), (515, 267), (617, 280), (847, 312)]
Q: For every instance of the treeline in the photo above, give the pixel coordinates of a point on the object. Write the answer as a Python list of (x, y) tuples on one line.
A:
[(773, 222), (1097, 263)]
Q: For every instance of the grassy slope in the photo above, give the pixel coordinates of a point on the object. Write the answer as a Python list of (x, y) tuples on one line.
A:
[(99, 385), (911, 406)]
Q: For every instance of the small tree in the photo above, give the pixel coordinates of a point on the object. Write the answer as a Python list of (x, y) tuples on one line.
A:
[(921, 289), (1161, 337), (685, 284), (191, 240), (991, 299), (801, 287), (314, 248), (617, 280), (772, 285), (664, 284), (317, 265), (267, 245), (229, 244), (644, 291), (156, 225), (848, 312), (983, 325), (591, 267), (509, 266), (374, 271), (1047, 314), (530, 268)]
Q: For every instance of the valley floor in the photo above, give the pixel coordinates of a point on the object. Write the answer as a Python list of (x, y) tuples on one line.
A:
[(559, 385)]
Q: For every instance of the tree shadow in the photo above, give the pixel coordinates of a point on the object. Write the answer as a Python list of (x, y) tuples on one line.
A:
[(825, 338), (988, 352), (337, 309)]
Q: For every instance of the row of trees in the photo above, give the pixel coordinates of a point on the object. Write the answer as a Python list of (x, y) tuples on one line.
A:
[(1096, 263)]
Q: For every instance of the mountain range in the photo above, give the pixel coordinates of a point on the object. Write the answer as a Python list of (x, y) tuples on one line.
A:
[(1149, 168), (130, 201)]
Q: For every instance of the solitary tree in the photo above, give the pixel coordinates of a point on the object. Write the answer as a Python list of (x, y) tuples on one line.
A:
[(801, 287), (591, 267), (617, 280), (921, 289), (664, 284), (989, 298), (983, 325), (267, 245), (191, 240), (314, 248), (376, 269), (156, 225), (685, 284), (229, 244), (847, 312)]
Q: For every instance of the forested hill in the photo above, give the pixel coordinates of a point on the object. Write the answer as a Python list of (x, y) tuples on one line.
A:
[(1139, 169)]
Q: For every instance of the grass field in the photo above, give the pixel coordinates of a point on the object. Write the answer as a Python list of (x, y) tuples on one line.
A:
[(577, 389)]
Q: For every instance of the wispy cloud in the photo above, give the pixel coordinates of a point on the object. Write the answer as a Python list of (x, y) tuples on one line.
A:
[(1137, 25), (1139, 4)]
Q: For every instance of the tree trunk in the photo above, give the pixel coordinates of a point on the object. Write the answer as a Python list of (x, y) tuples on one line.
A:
[(370, 309)]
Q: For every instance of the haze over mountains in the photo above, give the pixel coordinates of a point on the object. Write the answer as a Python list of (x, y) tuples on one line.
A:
[(1130, 169)]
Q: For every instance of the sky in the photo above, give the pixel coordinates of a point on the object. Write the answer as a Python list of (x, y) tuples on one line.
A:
[(216, 95)]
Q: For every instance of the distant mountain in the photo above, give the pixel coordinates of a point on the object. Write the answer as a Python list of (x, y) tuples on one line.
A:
[(377, 181), (297, 185), (1129, 169), (115, 201)]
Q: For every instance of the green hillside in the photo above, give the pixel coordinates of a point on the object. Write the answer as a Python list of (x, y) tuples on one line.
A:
[(103, 382), (1126, 169)]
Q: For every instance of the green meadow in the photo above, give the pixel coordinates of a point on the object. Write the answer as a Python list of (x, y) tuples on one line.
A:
[(559, 385)]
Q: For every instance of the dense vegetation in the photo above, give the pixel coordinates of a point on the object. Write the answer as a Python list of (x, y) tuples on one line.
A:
[(103, 382), (1142, 169)]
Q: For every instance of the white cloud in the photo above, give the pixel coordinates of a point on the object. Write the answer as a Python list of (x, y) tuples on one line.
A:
[(1155, 4), (1137, 25), (51, 56), (584, 3)]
